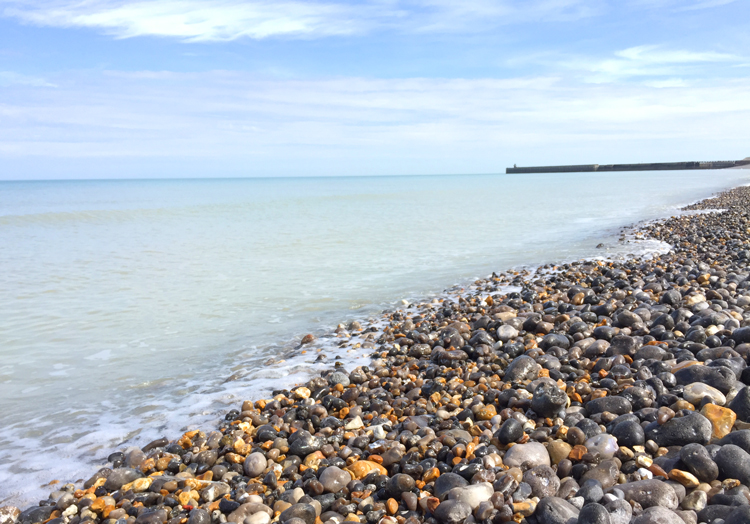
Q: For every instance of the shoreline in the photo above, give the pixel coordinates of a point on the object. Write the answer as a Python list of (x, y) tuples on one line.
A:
[(399, 353)]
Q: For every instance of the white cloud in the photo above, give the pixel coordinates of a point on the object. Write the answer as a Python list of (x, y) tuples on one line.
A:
[(681, 5), (191, 20), (8, 78), (648, 61), (223, 20), (705, 4), (379, 126)]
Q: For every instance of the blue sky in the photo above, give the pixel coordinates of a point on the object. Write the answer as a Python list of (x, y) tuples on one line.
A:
[(170, 88)]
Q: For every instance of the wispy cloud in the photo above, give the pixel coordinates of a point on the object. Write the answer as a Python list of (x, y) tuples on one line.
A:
[(191, 20), (224, 20), (681, 5), (9, 78), (705, 4), (648, 61)]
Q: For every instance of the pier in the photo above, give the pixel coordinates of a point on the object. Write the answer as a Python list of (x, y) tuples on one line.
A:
[(654, 166)]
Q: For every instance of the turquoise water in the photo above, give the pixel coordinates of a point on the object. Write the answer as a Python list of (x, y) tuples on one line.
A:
[(132, 309)]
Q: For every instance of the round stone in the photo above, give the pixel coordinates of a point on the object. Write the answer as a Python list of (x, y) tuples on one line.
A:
[(398, 484), (472, 495), (510, 431), (452, 511), (558, 451), (629, 433), (604, 445), (255, 464), (447, 482), (334, 479), (698, 462), (593, 514), (532, 454), (697, 391)]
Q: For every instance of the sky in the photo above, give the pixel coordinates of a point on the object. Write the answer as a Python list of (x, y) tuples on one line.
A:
[(225, 88)]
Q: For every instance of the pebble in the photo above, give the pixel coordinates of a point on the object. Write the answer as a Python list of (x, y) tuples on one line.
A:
[(658, 515), (254, 464), (697, 461), (510, 431), (531, 455), (452, 511), (620, 511), (594, 514), (679, 431), (447, 482), (543, 481), (740, 404), (472, 495), (604, 445), (629, 433), (553, 510), (722, 419), (334, 479), (558, 451), (734, 463), (697, 391), (548, 400), (304, 512), (650, 493)]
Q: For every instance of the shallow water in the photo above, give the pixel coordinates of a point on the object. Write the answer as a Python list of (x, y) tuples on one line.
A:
[(131, 309)]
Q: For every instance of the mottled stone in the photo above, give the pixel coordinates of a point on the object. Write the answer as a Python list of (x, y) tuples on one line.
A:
[(447, 482), (9, 514), (620, 511), (680, 431), (722, 419), (452, 511), (685, 478), (522, 368), (121, 476), (604, 445), (696, 500), (697, 391), (362, 468), (533, 454), (305, 512), (472, 495), (543, 481), (553, 510), (558, 450), (334, 479), (616, 405), (650, 493), (548, 400), (594, 514), (658, 515)]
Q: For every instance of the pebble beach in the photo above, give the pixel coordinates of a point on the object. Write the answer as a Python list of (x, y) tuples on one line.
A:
[(592, 392)]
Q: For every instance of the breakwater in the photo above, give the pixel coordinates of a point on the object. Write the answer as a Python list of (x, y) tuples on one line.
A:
[(653, 166)]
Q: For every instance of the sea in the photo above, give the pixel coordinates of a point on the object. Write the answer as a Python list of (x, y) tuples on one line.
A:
[(135, 309)]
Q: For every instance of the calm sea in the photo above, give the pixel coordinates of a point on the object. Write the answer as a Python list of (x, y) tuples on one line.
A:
[(134, 309)]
